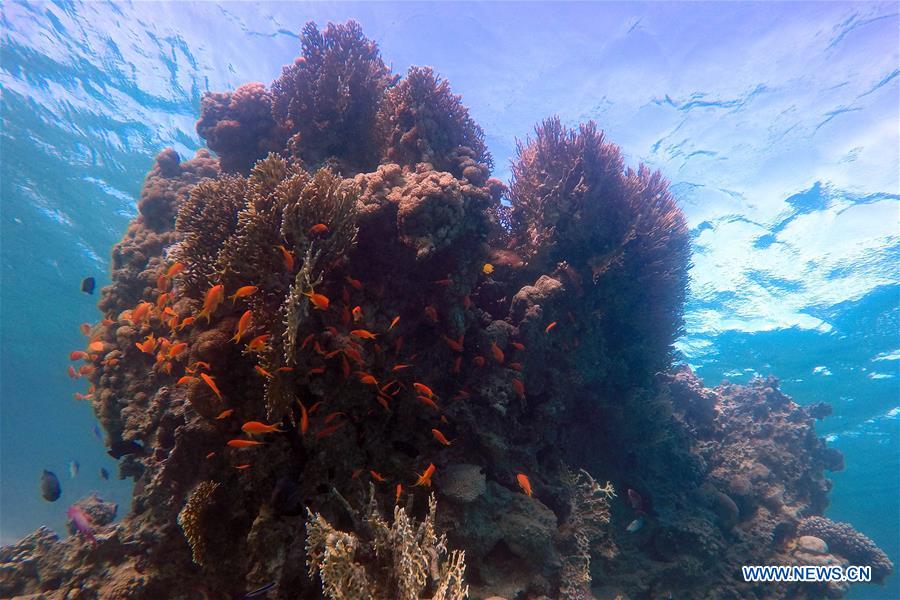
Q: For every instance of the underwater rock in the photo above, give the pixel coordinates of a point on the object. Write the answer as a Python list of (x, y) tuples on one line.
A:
[(462, 483)]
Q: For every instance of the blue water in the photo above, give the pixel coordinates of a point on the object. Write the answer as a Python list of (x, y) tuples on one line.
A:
[(776, 124)]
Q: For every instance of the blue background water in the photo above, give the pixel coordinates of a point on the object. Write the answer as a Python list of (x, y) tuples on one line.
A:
[(776, 124)]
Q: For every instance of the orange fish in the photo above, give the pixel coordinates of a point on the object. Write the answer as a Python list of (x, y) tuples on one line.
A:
[(85, 328), (186, 379), (394, 322), (316, 371), (110, 362), (423, 389), (187, 321), (363, 334), (176, 349), (329, 430), (318, 228), (356, 284), (212, 384), (428, 402), (400, 367), (78, 355), (307, 340), (243, 292), (210, 455), (383, 401), (242, 467), (478, 361), (258, 344), (440, 437), (356, 473), (214, 297), (515, 366), (287, 257), (225, 414), (431, 313), (162, 300), (174, 270), (367, 378), (443, 282), (96, 346), (497, 353), (80, 396), (425, 476), (319, 301), (256, 428), (162, 283), (550, 327), (85, 370), (519, 387), (518, 345), (457, 364), (140, 312), (398, 493), (148, 345), (456, 346), (354, 354), (462, 395), (357, 313), (199, 365), (284, 369), (262, 371), (524, 483), (345, 367), (377, 476), (332, 416), (244, 443), (304, 419), (107, 322), (242, 326)]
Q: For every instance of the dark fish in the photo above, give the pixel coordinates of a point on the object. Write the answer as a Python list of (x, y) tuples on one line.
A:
[(104, 473), (50, 489), (87, 285), (286, 497), (96, 432), (122, 448), (260, 592)]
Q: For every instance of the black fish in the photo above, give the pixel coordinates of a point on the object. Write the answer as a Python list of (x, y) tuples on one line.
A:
[(50, 489), (260, 592), (87, 285), (104, 473), (286, 498), (121, 448)]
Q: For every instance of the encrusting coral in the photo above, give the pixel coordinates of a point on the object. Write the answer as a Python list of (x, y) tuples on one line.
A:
[(345, 300)]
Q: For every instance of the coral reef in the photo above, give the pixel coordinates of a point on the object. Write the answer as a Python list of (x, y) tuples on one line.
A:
[(344, 309)]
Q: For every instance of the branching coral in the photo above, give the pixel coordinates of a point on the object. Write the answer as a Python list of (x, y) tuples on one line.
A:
[(421, 120), (329, 97), (588, 514), (399, 561), (194, 519), (843, 539)]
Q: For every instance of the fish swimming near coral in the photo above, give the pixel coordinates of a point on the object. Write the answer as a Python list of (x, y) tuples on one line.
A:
[(73, 468), (635, 525), (82, 522), (104, 474), (50, 488), (255, 428), (425, 476), (88, 284), (125, 447), (524, 483), (258, 593)]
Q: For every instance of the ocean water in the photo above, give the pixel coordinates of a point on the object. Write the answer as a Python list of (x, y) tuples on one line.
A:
[(777, 125)]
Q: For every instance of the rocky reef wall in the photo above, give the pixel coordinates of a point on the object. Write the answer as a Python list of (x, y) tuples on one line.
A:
[(342, 313)]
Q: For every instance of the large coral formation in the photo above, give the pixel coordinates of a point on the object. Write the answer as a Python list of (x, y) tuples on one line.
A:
[(347, 277)]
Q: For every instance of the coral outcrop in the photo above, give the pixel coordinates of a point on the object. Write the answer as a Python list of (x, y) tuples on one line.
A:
[(343, 312)]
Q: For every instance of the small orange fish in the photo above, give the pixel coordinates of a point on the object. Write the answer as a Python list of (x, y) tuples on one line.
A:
[(242, 467), (355, 355), (478, 361), (85, 328), (423, 389), (519, 387), (428, 402), (242, 326), (258, 344), (345, 367), (400, 367), (162, 300), (318, 228), (287, 257), (210, 455), (497, 353), (462, 395), (550, 327), (244, 443), (440, 437), (107, 322), (304, 419), (363, 334), (174, 270), (443, 282), (324, 433), (243, 292), (518, 345), (356, 473), (515, 366), (398, 493), (394, 321), (79, 396), (356, 284), (225, 414), (316, 371), (357, 313), (148, 346), (97, 346), (524, 483), (425, 476), (85, 370), (176, 349), (284, 369), (162, 283), (185, 379), (212, 384), (366, 378), (256, 428), (72, 373), (332, 416), (78, 355), (140, 312), (187, 321), (319, 301), (262, 371), (383, 401), (110, 362), (467, 302), (457, 364), (214, 297), (456, 346), (199, 365), (307, 340), (431, 313), (377, 476)]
